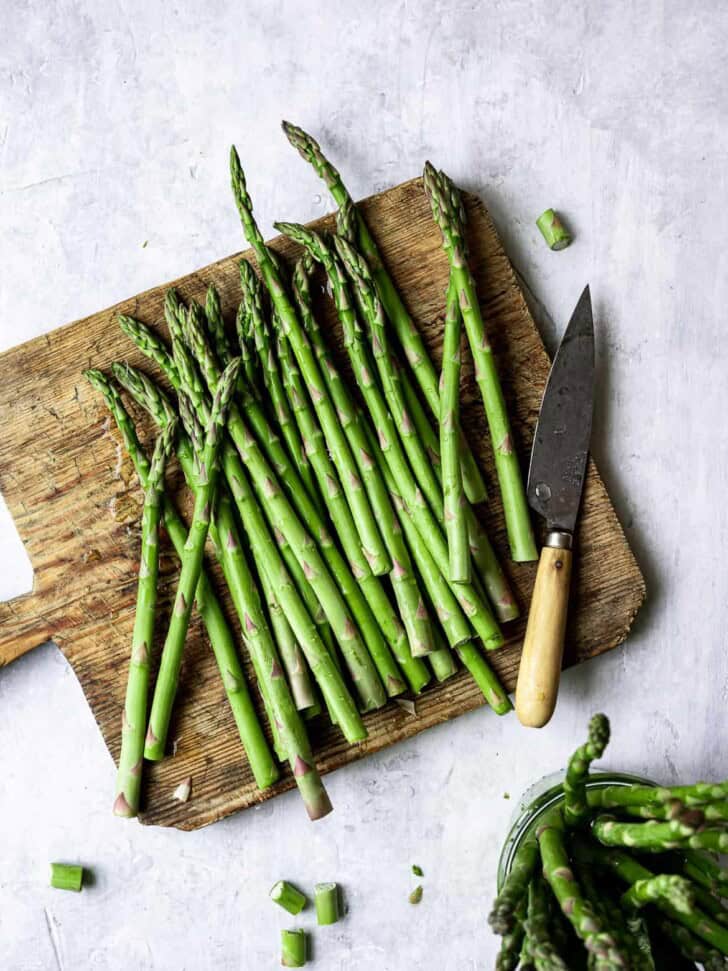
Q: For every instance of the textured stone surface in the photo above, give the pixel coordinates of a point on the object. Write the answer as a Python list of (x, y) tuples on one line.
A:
[(115, 121)]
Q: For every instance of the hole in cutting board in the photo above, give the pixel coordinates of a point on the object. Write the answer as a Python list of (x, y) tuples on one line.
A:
[(16, 574)]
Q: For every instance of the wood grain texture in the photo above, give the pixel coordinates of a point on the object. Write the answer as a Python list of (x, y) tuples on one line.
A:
[(76, 503)]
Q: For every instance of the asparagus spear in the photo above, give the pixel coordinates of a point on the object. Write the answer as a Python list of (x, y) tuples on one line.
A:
[(677, 891), (705, 871), (657, 836), (363, 671), (254, 743), (186, 378), (352, 226), (502, 917), (446, 209), (543, 948), (452, 481), (134, 721), (510, 951), (191, 568), (414, 670), (412, 608), (576, 810), (253, 299), (216, 326), (560, 877), (286, 718), (431, 535), (336, 439), (699, 794)]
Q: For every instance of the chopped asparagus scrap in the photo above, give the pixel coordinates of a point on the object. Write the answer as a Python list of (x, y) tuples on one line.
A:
[(66, 876), (416, 896), (289, 897)]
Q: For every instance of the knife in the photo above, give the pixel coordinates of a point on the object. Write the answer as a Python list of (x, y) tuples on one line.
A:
[(555, 483)]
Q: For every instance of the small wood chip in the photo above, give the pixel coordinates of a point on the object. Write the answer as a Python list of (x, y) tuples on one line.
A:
[(407, 705), (183, 790)]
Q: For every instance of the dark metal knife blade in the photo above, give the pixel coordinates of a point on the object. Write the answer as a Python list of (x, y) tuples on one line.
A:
[(561, 443), (555, 484)]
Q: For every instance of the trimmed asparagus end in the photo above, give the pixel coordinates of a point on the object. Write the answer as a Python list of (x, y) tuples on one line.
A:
[(66, 876), (288, 897), (553, 230), (416, 896), (326, 896), (293, 948), (417, 870)]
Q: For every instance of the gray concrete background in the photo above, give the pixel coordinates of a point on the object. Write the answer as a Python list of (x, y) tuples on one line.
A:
[(115, 122)]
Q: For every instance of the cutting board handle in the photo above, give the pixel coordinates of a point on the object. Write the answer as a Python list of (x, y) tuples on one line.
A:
[(543, 645), (24, 624)]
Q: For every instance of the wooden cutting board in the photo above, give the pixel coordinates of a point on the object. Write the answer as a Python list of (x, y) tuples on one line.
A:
[(76, 503)]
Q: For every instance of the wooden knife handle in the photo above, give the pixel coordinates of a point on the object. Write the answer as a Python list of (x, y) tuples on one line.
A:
[(543, 645)]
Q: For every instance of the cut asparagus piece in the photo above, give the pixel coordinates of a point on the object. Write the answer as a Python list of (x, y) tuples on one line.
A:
[(336, 439), (288, 897), (191, 567), (66, 876), (254, 742), (352, 225), (134, 721), (447, 211), (553, 230), (326, 896), (293, 948)]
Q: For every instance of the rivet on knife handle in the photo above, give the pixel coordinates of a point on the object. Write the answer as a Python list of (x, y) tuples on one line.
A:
[(543, 646)]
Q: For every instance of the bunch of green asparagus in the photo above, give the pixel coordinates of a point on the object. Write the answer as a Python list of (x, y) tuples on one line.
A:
[(343, 522), (618, 877)]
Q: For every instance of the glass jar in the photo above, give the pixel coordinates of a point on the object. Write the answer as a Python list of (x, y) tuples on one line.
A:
[(544, 796)]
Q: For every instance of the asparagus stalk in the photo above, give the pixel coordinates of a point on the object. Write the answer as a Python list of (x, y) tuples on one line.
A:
[(705, 871), (242, 326), (134, 721), (412, 608), (502, 917), (288, 724), (576, 810), (630, 870), (186, 378), (543, 949), (560, 877), (657, 836), (428, 527), (216, 326), (335, 438), (697, 795), (363, 671), (414, 670), (352, 226), (677, 891), (254, 742), (452, 481), (253, 298), (446, 211), (191, 568), (510, 950)]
